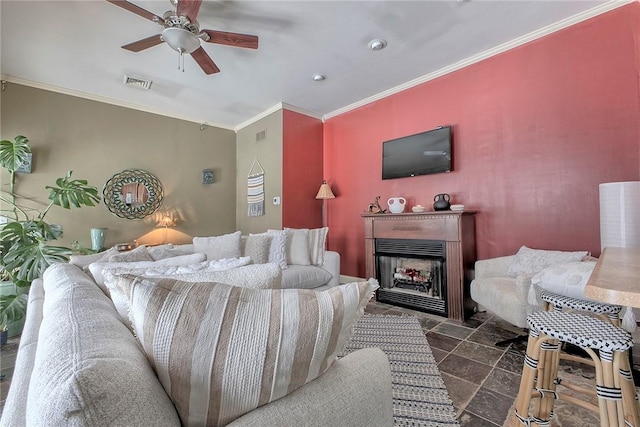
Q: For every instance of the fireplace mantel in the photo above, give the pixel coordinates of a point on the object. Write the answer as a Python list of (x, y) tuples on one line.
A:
[(456, 229)]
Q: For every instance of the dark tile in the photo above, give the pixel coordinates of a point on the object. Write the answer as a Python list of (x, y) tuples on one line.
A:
[(476, 320), (428, 323), (442, 342), (504, 382), (478, 352), (462, 367), (460, 391), (453, 330), (467, 419), (438, 354), (511, 361), (490, 405), (488, 337)]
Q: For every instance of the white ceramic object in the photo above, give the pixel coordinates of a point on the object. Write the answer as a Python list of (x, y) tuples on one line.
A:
[(457, 208), (396, 204), (418, 208)]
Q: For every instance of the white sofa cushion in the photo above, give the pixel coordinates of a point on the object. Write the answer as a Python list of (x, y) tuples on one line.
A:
[(304, 277), (97, 267), (532, 261), (567, 279), (138, 254), (219, 247), (169, 250), (81, 344), (261, 344), (83, 261)]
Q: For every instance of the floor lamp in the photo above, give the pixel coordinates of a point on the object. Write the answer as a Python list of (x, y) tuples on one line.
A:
[(324, 193), (620, 222)]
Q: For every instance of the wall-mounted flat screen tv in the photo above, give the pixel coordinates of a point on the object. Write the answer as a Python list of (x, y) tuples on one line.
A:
[(420, 154)]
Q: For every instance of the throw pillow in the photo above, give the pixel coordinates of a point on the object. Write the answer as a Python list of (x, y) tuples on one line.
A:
[(138, 254), (96, 268), (297, 245), (565, 279), (317, 239), (261, 344), (218, 247), (257, 247), (531, 261), (83, 261), (258, 276), (278, 248), (169, 250)]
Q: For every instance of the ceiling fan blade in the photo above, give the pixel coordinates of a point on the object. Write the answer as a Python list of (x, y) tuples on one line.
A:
[(144, 43), (189, 8), (204, 61), (232, 39), (137, 10)]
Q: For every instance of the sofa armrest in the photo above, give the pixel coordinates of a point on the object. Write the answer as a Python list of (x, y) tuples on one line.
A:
[(493, 267), (15, 407), (355, 391), (332, 265)]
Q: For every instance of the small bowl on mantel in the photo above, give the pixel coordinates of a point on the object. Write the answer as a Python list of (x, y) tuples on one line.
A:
[(418, 209), (457, 208)]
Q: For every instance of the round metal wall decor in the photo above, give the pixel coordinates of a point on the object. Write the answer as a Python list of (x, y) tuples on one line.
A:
[(132, 194)]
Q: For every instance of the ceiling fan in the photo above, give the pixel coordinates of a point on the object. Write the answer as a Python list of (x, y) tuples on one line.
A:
[(183, 34)]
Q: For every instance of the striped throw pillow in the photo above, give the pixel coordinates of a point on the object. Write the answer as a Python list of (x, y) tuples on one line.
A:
[(316, 238), (221, 351)]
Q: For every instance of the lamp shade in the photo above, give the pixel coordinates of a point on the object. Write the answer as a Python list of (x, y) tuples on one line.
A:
[(620, 214), (325, 191)]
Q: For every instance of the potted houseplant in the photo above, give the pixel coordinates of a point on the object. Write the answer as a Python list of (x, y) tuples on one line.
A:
[(27, 235)]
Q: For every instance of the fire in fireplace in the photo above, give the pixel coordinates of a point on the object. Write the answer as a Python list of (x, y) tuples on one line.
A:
[(412, 273)]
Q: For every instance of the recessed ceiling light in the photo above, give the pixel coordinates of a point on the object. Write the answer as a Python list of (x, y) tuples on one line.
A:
[(318, 77), (377, 44)]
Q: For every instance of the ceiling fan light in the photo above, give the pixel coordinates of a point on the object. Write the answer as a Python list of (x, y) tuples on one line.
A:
[(180, 40)]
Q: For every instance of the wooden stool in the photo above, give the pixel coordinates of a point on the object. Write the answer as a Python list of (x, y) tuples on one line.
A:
[(614, 387), (608, 312)]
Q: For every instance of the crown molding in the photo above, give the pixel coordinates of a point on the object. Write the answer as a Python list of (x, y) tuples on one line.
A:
[(549, 29), (279, 106), (103, 99)]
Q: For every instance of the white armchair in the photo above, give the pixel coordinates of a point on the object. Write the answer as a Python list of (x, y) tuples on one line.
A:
[(499, 293)]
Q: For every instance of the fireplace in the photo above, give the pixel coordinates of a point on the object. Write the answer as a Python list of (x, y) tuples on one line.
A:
[(431, 255), (412, 273)]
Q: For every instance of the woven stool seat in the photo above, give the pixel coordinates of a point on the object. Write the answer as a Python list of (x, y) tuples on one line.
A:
[(581, 330), (561, 301), (607, 347)]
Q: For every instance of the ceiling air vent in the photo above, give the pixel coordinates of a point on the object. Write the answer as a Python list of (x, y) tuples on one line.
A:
[(137, 82)]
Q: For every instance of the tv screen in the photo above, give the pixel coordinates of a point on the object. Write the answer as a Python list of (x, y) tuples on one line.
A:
[(420, 154)]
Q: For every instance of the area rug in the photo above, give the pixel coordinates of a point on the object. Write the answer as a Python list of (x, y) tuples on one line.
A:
[(420, 397)]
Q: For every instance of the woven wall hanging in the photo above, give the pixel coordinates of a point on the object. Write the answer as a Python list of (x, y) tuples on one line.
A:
[(255, 189)]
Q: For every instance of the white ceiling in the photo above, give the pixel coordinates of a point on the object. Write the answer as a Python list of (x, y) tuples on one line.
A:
[(74, 47)]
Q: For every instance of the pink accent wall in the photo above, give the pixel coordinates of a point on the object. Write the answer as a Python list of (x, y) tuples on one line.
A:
[(535, 130), (301, 170)]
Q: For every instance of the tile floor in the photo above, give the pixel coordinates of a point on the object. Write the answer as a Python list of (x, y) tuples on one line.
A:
[(482, 379)]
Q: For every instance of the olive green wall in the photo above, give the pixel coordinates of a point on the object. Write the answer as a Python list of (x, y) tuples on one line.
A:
[(269, 153), (97, 140)]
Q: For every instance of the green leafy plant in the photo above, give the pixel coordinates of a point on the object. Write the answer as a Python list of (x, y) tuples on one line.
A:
[(26, 237)]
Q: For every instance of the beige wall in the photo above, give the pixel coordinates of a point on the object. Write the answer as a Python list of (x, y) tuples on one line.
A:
[(97, 140), (269, 153)]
